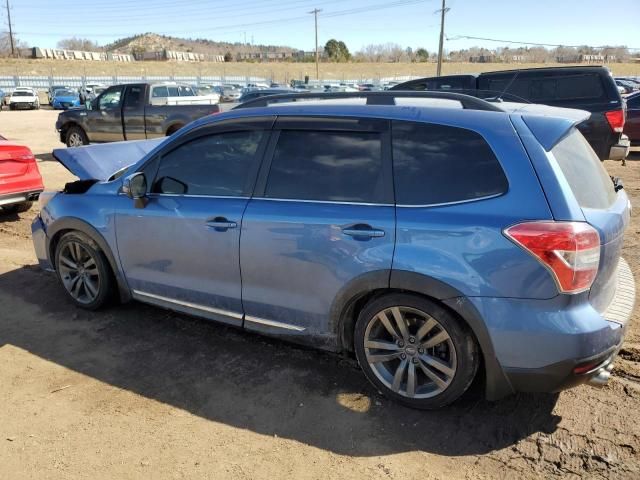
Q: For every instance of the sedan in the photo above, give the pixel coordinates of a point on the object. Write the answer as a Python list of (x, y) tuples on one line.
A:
[(20, 180), (65, 98), (632, 124)]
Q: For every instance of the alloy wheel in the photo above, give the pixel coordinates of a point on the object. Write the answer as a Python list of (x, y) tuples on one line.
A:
[(79, 272), (410, 352), (75, 140)]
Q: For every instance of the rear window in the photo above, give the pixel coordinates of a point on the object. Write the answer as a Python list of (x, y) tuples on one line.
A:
[(434, 164), (550, 88), (584, 172)]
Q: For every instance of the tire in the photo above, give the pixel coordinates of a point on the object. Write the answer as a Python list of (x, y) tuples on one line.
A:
[(11, 107), (18, 207), (92, 285), (75, 137), (441, 371)]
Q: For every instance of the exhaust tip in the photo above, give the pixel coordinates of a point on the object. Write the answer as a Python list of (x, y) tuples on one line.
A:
[(601, 378)]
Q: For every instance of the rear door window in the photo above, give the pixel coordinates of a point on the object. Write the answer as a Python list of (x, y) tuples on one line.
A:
[(435, 164), (327, 166), (584, 172)]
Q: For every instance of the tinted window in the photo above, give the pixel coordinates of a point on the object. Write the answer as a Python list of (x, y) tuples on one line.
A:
[(133, 98), (173, 91), (213, 165), (583, 170), (438, 164), (329, 166), (550, 88), (633, 102)]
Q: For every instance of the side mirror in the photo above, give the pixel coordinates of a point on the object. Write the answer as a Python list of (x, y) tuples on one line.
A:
[(134, 186), (88, 104)]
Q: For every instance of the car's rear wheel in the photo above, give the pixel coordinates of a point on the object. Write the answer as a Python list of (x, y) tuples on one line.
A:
[(415, 351), (84, 271), (76, 137), (17, 207)]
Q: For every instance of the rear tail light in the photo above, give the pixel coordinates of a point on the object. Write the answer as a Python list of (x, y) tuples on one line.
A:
[(569, 250), (615, 119)]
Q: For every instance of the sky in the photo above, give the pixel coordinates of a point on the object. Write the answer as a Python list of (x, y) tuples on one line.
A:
[(413, 23)]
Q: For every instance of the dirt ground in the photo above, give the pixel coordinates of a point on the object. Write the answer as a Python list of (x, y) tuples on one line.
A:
[(139, 392), (278, 71)]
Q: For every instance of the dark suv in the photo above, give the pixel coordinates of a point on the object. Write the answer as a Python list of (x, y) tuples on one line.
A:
[(585, 88)]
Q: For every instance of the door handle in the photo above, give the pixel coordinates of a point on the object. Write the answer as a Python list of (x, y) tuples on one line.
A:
[(363, 231), (221, 224)]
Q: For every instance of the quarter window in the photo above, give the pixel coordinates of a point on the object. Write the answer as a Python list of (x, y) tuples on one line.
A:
[(216, 165), (435, 164), (327, 166)]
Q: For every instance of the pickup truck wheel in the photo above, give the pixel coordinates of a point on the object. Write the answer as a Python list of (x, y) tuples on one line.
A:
[(76, 137)]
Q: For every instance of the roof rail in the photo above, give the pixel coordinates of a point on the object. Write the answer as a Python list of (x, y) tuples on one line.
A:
[(373, 98)]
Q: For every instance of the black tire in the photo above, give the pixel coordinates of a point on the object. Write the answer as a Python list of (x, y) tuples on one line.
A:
[(103, 282), (75, 137), (462, 362), (18, 207), (11, 107)]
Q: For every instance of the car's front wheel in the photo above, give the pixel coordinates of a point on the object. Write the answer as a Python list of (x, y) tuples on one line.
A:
[(415, 351), (84, 271)]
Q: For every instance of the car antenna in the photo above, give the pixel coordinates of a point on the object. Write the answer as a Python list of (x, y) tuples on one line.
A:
[(513, 79)]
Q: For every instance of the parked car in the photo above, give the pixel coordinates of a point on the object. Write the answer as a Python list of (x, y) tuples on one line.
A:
[(87, 91), (587, 88), (172, 93), (632, 125), (24, 98), (128, 112), (20, 180), (628, 88), (355, 231), (52, 89), (253, 94), (65, 98), (95, 91), (367, 87), (231, 94), (2, 99)]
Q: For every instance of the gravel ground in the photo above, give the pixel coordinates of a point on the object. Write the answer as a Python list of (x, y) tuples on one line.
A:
[(136, 391)]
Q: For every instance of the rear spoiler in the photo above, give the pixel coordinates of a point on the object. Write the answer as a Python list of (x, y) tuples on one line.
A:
[(101, 161), (549, 124)]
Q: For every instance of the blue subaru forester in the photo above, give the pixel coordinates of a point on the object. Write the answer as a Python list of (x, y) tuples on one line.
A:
[(439, 239)]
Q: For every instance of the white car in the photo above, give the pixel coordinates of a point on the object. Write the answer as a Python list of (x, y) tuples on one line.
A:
[(24, 98)]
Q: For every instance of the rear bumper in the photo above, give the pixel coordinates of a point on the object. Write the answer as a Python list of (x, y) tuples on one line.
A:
[(620, 150), (19, 197), (555, 344)]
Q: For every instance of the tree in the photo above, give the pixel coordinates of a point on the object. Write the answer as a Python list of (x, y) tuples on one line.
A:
[(5, 44), (337, 51), (422, 55), (228, 57), (75, 43)]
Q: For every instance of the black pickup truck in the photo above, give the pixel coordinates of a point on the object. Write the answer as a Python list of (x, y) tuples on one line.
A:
[(133, 112), (589, 88)]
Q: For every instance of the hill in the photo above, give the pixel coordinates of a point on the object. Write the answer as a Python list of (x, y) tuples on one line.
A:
[(152, 42)]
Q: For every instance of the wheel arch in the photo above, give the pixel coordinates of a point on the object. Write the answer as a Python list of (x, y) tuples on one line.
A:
[(70, 224), (71, 123), (361, 290)]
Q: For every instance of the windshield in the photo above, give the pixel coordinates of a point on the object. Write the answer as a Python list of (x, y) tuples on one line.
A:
[(65, 93)]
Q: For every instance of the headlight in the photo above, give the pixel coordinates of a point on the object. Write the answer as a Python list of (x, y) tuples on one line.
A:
[(45, 197)]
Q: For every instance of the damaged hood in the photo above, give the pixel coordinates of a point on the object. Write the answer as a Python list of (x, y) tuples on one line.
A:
[(101, 161)]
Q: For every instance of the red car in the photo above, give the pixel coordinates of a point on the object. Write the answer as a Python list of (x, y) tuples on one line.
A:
[(632, 125), (20, 180)]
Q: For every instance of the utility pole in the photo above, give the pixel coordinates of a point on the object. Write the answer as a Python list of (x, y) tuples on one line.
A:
[(442, 11), (13, 52), (315, 13)]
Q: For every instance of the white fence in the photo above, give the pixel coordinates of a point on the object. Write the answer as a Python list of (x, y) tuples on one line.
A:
[(9, 83)]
